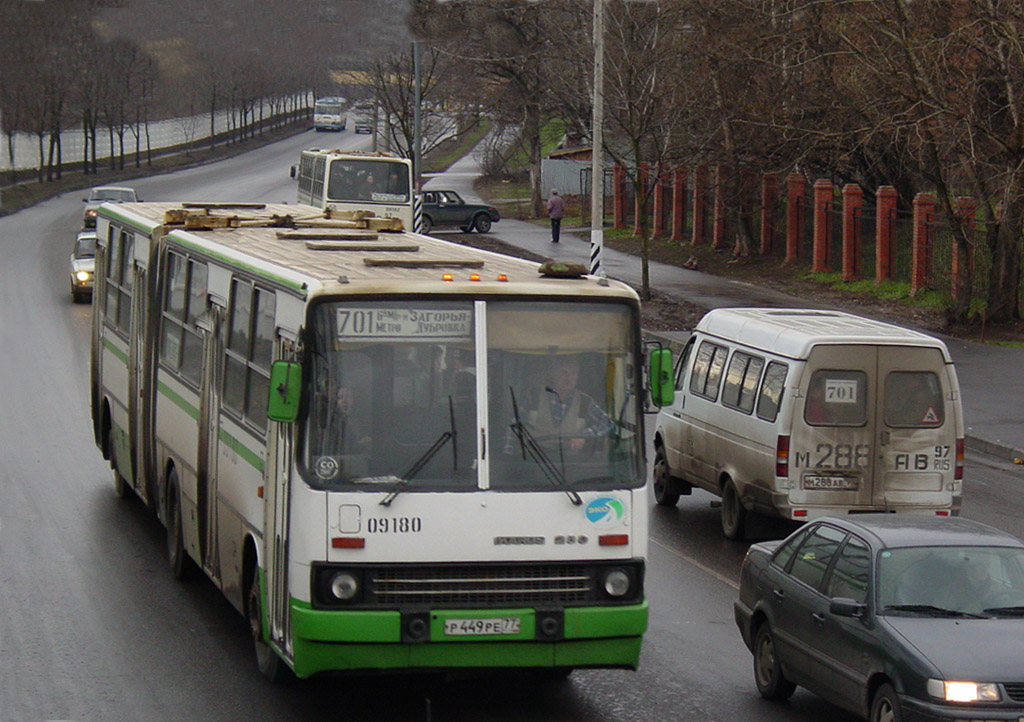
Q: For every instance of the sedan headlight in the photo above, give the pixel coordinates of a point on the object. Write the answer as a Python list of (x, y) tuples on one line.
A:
[(83, 276), (963, 691)]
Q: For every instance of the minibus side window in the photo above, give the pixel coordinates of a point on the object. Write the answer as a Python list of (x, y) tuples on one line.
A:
[(741, 381), (913, 399), (837, 397), (771, 391), (707, 370), (681, 364)]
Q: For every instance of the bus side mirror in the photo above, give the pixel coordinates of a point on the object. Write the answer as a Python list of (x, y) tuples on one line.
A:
[(659, 366), (285, 390)]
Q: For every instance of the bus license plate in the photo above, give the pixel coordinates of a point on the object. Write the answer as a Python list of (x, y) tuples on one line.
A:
[(475, 627), (840, 483)]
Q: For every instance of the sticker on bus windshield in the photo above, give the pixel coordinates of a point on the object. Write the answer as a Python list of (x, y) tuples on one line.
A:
[(387, 197), (404, 324)]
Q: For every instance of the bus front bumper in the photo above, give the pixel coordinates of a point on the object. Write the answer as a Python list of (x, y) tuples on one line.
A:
[(328, 640)]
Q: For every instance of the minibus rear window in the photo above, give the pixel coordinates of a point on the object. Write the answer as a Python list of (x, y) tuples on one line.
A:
[(837, 397), (913, 399)]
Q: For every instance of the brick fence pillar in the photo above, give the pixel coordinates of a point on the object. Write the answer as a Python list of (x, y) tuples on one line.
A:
[(643, 172), (700, 183), (618, 183), (795, 186), (769, 195), (678, 203), (822, 198), (962, 264), (658, 227), (885, 213), (853, 199), (924, 210), (718, 227)]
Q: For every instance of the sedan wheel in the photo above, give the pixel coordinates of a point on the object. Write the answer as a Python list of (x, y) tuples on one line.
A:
[(768, 675), (663, 493), (482, 223), (425, 225), (886, 705)]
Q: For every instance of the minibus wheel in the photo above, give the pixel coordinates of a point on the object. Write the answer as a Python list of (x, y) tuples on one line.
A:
[(664, 494), (734, 516)]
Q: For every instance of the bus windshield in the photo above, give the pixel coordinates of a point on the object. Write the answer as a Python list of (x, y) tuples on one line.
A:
[(395, 396), (327, 107), (379, 181)]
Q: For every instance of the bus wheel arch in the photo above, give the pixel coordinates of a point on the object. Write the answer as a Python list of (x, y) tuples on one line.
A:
[(268, 661), (182, 565)]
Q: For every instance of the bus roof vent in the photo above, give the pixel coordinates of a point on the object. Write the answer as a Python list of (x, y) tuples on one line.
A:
[(436, 263), (561, 269)]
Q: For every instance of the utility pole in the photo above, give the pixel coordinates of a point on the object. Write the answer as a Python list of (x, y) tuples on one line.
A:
[(417, 153), (597, 167)]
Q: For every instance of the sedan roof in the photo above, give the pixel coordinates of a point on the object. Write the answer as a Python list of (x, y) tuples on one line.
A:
[(901, 530)]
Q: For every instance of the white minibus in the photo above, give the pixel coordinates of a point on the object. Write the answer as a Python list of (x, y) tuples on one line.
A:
[(801, 413)]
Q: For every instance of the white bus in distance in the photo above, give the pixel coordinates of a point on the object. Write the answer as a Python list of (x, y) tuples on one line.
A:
[(329, 114), (375, 182), (352, 434)]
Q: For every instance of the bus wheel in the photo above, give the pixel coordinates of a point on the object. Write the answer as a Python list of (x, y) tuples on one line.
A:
[(664, 494), (121, 486), (734, 516), (270, 665), (182, 566)]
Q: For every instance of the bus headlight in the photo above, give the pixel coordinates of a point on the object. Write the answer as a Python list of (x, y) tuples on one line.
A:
[(616, 583), (344, 586), (963, 691), (83, 276)]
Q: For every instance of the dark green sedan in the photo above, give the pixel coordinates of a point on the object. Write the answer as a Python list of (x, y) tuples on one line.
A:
[(892, 616), (443, 208)]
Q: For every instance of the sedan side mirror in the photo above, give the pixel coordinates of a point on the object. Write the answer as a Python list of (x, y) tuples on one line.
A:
[(845, 607)]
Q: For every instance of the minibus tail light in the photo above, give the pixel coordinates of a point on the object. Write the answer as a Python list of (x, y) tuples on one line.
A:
[(782, 457), (958, 470)]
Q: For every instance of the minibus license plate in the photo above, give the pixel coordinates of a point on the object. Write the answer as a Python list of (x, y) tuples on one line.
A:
[(842, 483), (473, 627)]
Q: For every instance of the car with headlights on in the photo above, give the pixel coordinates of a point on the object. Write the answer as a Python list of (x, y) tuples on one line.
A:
[(443, 208), (105, 194), (83, 262), (894, 617)]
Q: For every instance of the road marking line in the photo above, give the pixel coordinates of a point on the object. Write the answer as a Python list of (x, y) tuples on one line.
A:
[(703, 567)]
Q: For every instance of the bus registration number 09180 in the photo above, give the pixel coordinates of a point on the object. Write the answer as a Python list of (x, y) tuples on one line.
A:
[(476, 627)]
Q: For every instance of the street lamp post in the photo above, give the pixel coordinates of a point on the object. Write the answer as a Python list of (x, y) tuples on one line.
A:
[(597, 167)]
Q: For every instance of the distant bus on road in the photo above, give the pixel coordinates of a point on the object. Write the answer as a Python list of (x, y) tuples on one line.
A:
[(357, 181), (329, 114)]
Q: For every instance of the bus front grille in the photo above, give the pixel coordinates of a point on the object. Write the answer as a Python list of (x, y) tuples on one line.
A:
[(482, 586)]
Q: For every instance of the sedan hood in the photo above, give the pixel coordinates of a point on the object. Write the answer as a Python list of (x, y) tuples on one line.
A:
[(979, 650)]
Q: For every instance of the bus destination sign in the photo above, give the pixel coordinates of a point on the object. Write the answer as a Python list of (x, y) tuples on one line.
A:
[(404, 324)]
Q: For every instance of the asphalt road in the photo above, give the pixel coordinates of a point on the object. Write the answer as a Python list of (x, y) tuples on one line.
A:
[(95, 628)]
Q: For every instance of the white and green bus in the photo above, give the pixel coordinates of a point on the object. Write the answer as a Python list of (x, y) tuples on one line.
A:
[(364, 438), (353, 180)]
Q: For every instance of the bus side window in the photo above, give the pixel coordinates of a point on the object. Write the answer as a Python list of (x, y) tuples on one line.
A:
[(772, 386)]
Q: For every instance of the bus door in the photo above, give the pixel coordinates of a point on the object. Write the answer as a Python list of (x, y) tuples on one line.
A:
[(210, 324), (833, 444), (139, 406), (917, 427), (277, 483)]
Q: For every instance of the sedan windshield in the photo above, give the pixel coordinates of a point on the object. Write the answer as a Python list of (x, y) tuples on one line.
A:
[(952, 581), (410, 395)]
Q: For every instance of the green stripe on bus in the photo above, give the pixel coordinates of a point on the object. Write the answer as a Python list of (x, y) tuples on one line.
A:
[(178, 400), (185, 241), (118, 353), (247, 454)]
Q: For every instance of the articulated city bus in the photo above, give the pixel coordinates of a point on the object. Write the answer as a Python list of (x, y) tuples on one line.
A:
[(388, 451), (379, 183)]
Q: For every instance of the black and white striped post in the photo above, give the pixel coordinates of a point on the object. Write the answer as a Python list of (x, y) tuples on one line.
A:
[(597, 164)]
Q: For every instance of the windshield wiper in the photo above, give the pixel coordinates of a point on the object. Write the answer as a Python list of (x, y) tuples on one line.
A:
[(931, 610), (1016, 611), (530, 446), (450, 435)]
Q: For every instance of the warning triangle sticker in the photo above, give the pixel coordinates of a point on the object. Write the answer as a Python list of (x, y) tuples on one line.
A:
[(930, 417)]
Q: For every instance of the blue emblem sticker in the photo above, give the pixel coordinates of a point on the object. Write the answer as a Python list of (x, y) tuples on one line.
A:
[(605, 511)]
